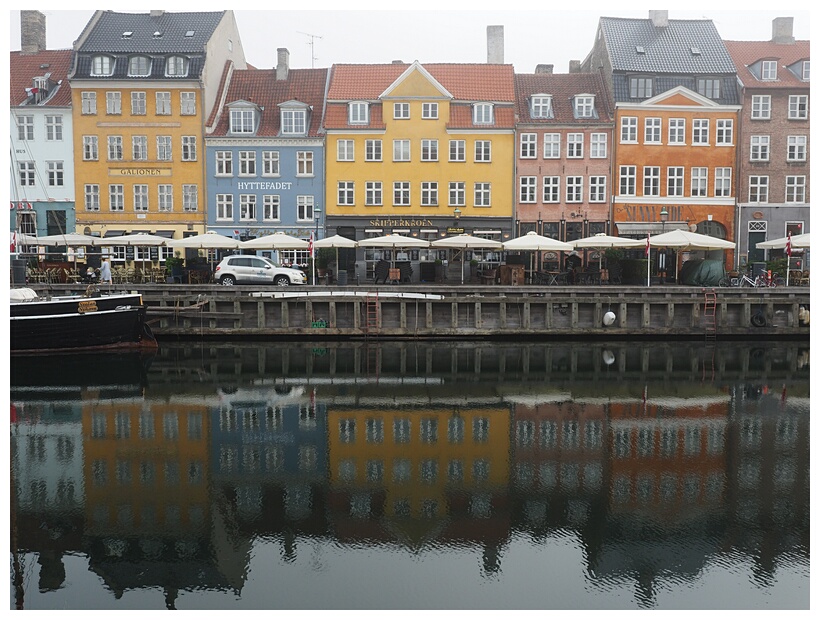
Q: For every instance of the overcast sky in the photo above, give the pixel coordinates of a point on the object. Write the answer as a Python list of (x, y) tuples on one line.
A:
[(359, 35)]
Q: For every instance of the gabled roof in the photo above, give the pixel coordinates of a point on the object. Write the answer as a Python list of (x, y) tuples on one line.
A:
[(109, 33), (25, 67), (746, 53), (666, 49), (260, 87), (465, 82), (563, 88)]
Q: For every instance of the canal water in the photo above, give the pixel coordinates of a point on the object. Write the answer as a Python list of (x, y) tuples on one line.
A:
[(412, 475)]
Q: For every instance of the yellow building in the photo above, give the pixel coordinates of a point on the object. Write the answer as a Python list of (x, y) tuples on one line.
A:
[(145, 83), (420, 150)]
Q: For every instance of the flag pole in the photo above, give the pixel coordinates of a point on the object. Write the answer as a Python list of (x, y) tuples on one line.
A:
[(788, 256), (648, 263)]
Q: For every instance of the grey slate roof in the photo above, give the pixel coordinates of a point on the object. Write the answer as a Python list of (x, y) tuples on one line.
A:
[(107, 33), (667, 49), (729, 92)]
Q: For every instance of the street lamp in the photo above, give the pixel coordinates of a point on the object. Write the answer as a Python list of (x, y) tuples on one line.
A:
[(317, 214), (662, 257), (664, 218)]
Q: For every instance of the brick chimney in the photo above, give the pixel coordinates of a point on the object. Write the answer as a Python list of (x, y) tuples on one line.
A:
[(575, 66), (783, 30), (495, 45), (659, 19), (156, 13), (543, 68), (32, 32), (283, 62)]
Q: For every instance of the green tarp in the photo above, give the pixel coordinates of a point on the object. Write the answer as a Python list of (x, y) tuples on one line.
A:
[(702, 272)]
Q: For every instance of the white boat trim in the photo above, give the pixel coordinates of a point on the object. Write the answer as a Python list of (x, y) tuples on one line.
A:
[(303, 294)]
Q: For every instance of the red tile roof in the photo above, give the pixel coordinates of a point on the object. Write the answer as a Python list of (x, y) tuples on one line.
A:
[(466, 82), (261, 87), (25, 67), (745, 53), (563, 87)]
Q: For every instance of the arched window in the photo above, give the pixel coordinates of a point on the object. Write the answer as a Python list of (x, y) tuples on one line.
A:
[(139, 66), (712, 228), (176, 66), (102, 65)]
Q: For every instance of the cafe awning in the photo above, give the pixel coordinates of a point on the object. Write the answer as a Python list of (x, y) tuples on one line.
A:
[(642, 229)]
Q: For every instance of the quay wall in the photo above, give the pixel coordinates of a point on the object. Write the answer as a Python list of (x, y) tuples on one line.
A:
[(664, 312), (475, 312)]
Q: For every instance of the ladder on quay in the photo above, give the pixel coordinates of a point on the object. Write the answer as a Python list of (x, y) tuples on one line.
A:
[(371, 314), (709, 314)]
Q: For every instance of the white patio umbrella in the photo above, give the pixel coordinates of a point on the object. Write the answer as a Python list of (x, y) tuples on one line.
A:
[(394, 241), (686, 240), (602, 241), (275, 241), (465, 242), (206, 241), (71, 240), (798, 241), (534, 242), (336, 241), (139, 239)]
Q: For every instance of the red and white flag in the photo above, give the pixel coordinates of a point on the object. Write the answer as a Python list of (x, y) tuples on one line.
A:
[(789, 245), (310, 245), (647, 245)]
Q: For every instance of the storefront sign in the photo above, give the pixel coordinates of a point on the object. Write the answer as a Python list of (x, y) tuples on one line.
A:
[(139, 172), (247, 185), (451, 230), (393, 223)]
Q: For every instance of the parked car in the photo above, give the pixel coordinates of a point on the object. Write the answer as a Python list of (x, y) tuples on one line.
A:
[(246, 269)]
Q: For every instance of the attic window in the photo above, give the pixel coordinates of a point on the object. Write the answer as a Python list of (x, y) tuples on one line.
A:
[(157, 34), (190, 33), (695, 51), (127, 34), (640, 49)]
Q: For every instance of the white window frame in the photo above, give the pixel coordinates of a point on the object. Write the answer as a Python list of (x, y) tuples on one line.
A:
[(401, 110), (541, 106), (54, 128), (699, 182), (709, 87), (724, 132), (55, 171), (294, 122), (162, 102), (796, 148), (247, 207), (429, 111), (223, 160), (88, 102), (304, 164), (795, 189), (401, 150), (552, 146), (242, 121), (345, 193), (141, 200), (482, 194), (429, 150), (115, 148), (584, 106), (429, 193), (187, 103), (652, 181), (798, 107), (116, 197), (574, 189), (91, 148), (759, 189), (627, 180), (188, 148), (457, 194), (483, 151), (91, 193), (458, 150), (102, 65), (723, 182), (598, 146), (761, 107), (373, 150), (113, 102), (224, 207), (675, 183), (483, 114), (345, 150), (247, 164), (271, 204), (401, 191), (139, 66), (190, 198), (759, 148), (373, 194), (358, 113), (176, 66), (165, 198), (551, 189), (528, 146), (629, 130), (270, 164), (652, 130), (527, 190), (677, 131), (597, 188), (768, 70), (700, 132), (575, 146), (139, 148), (139, 103), (164, 148), (640, 87), (27, 174)]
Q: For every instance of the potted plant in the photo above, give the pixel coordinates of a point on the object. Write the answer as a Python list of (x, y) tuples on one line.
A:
[(323, 257), (173, 268)]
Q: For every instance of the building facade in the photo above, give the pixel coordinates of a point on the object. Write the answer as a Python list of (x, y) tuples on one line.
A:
[(677, 104), (774, 156), (143, 85), (419, 150), (265, 154), (42, 157), (564, 137)]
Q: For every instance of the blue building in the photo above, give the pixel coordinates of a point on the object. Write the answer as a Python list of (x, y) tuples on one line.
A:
[(265, 154)]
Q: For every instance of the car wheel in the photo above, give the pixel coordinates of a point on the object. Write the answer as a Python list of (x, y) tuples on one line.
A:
[(227, 281), (281, 281)]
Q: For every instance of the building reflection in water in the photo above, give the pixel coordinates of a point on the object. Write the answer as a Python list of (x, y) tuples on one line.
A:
[(656, 459)]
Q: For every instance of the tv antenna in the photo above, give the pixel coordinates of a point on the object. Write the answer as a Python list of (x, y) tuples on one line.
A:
[(312, 37)]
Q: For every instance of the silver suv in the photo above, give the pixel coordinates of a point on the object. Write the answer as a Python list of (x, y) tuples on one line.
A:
[(249, 269)]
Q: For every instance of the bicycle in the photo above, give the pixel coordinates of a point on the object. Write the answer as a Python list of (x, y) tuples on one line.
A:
[(761, 281)]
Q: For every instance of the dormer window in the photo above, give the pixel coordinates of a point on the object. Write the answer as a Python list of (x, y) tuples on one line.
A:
[(102, 65), (768, 70), (243, 120), (358, 113), (640, 88), (482, 113), (541, 106), (806, 70), (584, 106), (294, 121), (176, 66), (139, 66)]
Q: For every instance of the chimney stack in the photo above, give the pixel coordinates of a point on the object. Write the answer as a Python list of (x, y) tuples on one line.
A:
[(659, 19), (543, 68), (157, 13), (495, 45), (782, 30), (575, 66), (32, 32), (283, 60)]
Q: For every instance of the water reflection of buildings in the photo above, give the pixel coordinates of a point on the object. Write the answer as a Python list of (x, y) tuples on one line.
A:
[(173, 489)]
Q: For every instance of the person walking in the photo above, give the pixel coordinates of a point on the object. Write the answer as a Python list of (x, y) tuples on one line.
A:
[(105, 272)]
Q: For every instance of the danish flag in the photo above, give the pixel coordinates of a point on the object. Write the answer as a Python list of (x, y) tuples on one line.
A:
[(647, 244), (789, 245), (310, 245)]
